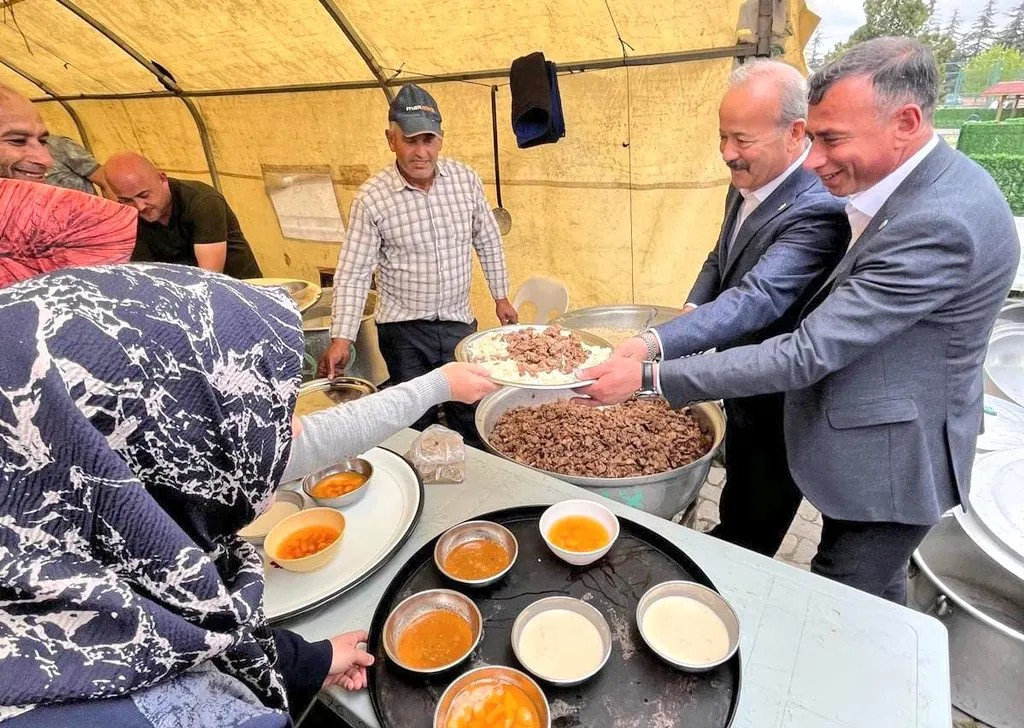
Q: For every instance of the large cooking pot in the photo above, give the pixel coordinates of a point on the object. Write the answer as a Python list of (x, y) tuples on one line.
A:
[(1004, 363), (982, 607), (628, 317), (316, 326), (323, 393), (663, 494)]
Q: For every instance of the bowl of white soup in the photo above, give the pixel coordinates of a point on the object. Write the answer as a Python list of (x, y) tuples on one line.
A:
[(561, 640), (688, 625)]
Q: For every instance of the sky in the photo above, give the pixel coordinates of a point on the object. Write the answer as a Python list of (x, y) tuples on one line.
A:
[(839, 18)]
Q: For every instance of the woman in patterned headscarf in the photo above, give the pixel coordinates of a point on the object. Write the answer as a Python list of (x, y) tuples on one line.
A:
[(145, 416)]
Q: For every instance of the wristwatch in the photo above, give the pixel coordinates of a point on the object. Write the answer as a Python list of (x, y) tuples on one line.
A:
[(653, 350), (647, 388)]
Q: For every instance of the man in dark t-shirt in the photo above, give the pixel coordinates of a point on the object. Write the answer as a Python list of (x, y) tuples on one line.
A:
[(180, 221)]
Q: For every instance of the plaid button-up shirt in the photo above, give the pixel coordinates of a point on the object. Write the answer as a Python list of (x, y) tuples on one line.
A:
[(421, 243)]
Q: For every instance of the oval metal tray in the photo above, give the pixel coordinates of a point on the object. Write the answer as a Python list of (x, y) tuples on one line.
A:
[(635, 688), (462, 353)]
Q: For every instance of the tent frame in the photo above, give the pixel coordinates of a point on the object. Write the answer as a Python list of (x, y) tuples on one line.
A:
[(761, 47)]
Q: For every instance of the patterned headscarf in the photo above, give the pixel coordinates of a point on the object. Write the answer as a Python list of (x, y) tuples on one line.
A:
[(145, 416)]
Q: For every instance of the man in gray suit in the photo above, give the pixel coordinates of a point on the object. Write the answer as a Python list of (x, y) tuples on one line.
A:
[(782, 234), (884, 375)]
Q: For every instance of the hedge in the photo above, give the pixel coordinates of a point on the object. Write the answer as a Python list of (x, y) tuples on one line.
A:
[(992, 137), (1008, 172), (954, 118)]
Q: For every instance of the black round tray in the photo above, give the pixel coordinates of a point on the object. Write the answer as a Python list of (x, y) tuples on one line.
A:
[(635, 688)]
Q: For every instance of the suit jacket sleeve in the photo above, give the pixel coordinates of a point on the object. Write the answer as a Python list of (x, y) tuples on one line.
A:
[(909, 269), (799, 255)]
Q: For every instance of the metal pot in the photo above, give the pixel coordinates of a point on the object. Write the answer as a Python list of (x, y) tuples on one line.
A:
[(982, 607), (631, 317), (316, 325), (323, 393), (663, 494)]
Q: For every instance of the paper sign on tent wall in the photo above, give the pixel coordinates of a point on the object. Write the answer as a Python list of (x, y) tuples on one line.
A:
[(305, 203)]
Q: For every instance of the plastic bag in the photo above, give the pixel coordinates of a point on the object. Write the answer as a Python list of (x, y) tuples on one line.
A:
[(439, 455)]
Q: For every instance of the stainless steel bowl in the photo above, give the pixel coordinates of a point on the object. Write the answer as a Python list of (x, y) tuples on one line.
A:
[(499, 673), (320, 394), (281, 495), (475, 531), (421, 603), (663, 494), (578, 606), (352, 465), (712, 599)]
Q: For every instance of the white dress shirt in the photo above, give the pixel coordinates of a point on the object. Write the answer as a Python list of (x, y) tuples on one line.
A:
[(863, 206)]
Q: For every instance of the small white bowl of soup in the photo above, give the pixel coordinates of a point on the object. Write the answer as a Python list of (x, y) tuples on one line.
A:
[(339, 485), (579, 531), (687, 625), (284, 503), (307, 540), (562, 640)]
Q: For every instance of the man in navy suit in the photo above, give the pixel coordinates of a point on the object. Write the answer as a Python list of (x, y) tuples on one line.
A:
[(782, 234), (884, 375)]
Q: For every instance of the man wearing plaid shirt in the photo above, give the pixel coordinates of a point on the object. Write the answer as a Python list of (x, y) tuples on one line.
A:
[(417, 222)]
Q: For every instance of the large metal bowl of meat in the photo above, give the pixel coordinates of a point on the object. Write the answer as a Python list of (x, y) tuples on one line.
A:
[(663, 493)]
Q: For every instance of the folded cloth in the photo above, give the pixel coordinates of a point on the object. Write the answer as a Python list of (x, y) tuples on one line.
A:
[(536, 103), (43, 228)]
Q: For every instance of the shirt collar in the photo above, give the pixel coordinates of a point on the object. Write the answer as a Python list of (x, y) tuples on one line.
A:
[(763, 193), (400, 183), (870, 201)]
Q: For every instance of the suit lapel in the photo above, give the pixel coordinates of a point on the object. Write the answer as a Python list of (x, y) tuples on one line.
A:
[(922, 177), (778, 201), (733, 202)]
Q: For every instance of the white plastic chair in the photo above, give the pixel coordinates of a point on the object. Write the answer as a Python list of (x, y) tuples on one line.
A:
[(539, 299)]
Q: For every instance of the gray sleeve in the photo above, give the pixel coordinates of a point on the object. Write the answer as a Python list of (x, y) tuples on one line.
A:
[(352, 428)]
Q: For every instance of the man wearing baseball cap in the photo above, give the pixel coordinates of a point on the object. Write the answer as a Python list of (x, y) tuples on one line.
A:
[(417, 222)]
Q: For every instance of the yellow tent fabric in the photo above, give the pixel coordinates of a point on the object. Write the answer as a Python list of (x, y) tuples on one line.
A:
[(623, 209)]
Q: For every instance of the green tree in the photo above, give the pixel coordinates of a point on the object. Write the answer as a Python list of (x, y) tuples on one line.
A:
[(815, 59), (982, 31), (900, 17), (953, 32), (1012, 36), (998, 63)]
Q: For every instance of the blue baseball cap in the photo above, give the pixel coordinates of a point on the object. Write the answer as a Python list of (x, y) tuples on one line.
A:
[(415, 111)]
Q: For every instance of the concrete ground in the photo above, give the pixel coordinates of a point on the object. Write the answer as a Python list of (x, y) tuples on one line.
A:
[(797, 548)]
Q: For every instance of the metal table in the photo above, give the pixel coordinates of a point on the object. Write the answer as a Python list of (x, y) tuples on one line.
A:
[(816, 654)]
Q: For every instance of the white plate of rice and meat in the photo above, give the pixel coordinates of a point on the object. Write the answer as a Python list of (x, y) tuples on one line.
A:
[(534, 356)]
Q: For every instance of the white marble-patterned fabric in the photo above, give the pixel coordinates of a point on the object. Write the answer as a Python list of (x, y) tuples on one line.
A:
[(144, 418)]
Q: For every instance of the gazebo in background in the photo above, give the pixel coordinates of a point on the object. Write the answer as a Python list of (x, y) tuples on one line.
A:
[(1005, 89)]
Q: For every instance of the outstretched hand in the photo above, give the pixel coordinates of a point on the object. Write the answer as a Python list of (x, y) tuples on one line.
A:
[(469, 383), (349, 661), (617, 380)]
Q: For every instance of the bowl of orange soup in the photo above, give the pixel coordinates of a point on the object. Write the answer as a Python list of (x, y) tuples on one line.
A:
[(579, 531), (432, 631), (475, 553), (493, 695), (339, 485), (306, 540)]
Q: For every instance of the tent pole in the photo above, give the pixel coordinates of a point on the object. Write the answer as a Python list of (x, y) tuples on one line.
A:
[(765, 16), (82, 134), (737, 51), (165, 79), (360, 46)]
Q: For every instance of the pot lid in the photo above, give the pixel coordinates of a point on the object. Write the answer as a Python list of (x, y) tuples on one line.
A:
[(994, 515), (1004, 425)]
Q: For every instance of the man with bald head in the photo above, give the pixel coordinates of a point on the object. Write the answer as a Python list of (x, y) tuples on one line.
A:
[(782, 235), (180, 221), (23, 151)]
